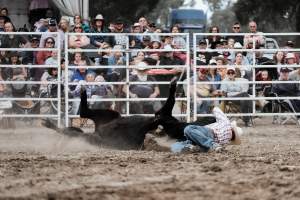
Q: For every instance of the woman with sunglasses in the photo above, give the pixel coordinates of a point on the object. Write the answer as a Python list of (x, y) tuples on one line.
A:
[(41, 57)]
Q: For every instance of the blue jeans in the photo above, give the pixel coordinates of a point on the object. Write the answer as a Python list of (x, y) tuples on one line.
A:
[(200, 135)]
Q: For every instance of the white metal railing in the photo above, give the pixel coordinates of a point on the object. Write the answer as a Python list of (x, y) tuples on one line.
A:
[(126, 50), (10, 98), (253, 66)]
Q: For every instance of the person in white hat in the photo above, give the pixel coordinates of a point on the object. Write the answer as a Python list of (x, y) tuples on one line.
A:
[(214, 136), (98, 27), (290, 59)]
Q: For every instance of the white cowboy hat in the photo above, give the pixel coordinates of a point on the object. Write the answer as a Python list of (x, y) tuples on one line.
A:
[(99, 17), (141, 66), (238, 132)]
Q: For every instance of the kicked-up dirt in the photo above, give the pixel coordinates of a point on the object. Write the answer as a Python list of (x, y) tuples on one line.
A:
[(38, 163)]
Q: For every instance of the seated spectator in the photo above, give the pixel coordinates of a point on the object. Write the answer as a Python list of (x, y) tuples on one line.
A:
[(29, 57), (213, 40), (119, 27), (2, 22), (203, 57), (287, 89), (78, 20), (146, 42), (64, 25), (135, 42), (214, 76), (50, 75), (4, 13), (155, 44), (80, 73), (12, 41), (241, 68), (262, 89), (279, 59), (142, 91), (290, 59), (78, 41), (295, 75), (237, 87), (98, 27), (53, 59), (116, 58), (203, 91), (15, 73), (52, 27)]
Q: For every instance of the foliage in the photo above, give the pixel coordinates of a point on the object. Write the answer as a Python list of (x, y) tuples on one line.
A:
[(133, 9), (272, 15), (130, 11)]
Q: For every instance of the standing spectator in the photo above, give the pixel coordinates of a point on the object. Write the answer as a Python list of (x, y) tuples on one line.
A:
[(144, 24), (236, 28), (213, 40), (98, 27), (254, 35), (52, 27)]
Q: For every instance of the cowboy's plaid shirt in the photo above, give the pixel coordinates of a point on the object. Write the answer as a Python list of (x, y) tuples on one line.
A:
[(221, 128)]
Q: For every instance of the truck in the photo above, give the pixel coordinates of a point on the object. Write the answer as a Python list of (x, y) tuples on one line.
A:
[(189, 21)]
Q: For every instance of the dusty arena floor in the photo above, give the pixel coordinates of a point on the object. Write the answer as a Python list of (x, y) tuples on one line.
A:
[(41, 164)]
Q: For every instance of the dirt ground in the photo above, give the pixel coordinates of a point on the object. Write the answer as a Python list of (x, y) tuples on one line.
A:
[(38, 163)]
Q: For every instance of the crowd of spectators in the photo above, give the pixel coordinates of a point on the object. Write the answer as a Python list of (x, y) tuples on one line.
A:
[(228, 67)]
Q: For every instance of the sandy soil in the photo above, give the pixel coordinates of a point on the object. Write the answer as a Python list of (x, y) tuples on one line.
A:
[(41, 164)]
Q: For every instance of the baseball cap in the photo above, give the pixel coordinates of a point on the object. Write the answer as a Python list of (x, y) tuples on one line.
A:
[(52, 22), (285, 69)]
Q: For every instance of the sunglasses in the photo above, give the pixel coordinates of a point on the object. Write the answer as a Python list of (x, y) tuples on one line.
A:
[(230, 73), (49, 42), (236, 27)]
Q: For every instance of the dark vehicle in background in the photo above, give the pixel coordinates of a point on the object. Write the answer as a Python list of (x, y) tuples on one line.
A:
[(189, 21)]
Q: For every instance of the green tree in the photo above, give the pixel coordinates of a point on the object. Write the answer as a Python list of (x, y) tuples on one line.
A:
[(131, 10), (271, 15)]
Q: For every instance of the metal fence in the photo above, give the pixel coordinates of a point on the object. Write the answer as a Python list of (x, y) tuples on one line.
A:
[(27, 105), (128, 53), (123, 103), (254, 97)]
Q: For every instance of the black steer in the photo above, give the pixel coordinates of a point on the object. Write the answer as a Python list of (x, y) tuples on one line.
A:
[(113, 130)]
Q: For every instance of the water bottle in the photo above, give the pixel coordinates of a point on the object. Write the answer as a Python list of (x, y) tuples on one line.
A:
[(97, 61)]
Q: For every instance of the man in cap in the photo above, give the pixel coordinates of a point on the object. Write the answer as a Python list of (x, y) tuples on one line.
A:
[(52, 27), (287, 89), (237, 87), (119, 28)]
